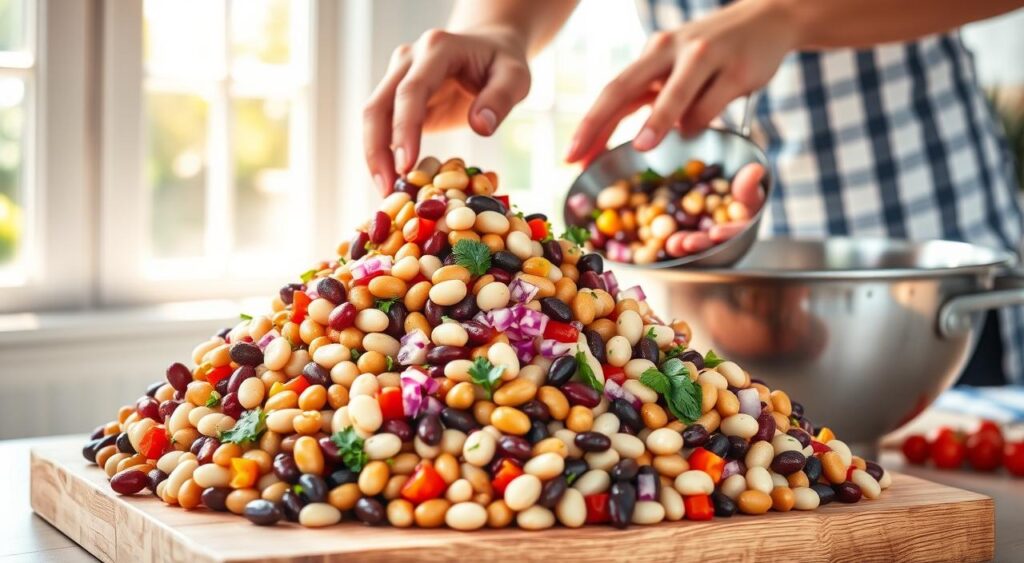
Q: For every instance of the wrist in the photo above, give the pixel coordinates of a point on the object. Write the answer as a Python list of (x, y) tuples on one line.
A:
[(795, 16)]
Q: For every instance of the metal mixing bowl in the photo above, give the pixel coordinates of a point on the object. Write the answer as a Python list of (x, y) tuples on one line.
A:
[(865, 333)]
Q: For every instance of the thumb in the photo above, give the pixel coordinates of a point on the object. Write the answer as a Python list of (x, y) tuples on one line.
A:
[(508, 84)]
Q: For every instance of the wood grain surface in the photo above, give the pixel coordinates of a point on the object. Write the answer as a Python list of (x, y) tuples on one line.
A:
[(915, 520)]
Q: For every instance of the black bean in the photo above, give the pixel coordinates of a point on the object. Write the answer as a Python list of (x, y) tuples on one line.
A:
[(464, 310), (441, 355), (397, 314), (97, 432), (246, 354), (724, 506), (429, 429), (787, 463), (624, 470), (514, 446), (155, 477), (206, 451), (481, 203), (312, 488), (506, 261), (592, 441), (536, 410), (847, 492), (718, 444), (574, 468), (765, 427), (553, 252), (552, 492), (874, 470), (216, 498), (291, 505), (316, 374), (340, 477), (710, 172), (590, 263), (628, 415), (179, 376), (406, 187), (596, 345), (797, 409), (154, 387), (458, 420), (399, 427), (262, 512), (695, 435), (825, 493), (737, 448), (538, 431), (556, 309), (331, 290), (561, 371), (124, 445), (621, 503), (646, 349), (813, 468), (285, 468), (369, 511), (693, 356)]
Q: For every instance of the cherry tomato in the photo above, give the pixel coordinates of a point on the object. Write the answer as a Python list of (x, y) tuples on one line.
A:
[(989, 426), (300, 301), (597, 508), (538, 229), (154, 442), (424, 484), (948, 452), (916, 449), (698, 507), (562, 332), (1013, 458), (985, 447), (390, 401), (508, 471)]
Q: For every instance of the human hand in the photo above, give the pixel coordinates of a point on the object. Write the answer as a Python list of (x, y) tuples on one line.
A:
[(441, 81), (690, 74)]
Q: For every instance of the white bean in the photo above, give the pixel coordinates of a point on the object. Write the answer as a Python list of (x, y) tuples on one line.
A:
[(364, 412), (758, 479), (319, 515), (535, 518), (619, 350), (593, 482), (631, 326), (694, 482), (739, 424), (627, 445), (382, 446), (648, 512), (466, 516), (572, 509), (371, 320), (545, 466), (492, 296), (522, 492), (664, 441), (479, 448), (446, 293)]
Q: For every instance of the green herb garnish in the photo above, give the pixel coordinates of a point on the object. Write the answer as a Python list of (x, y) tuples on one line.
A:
[(297, 489), (586, 373), (518, 212), (675, 351), (245, 317), (595, 214), (308, 275), (711, 360), (549, 230), (485, 374), (650, 334), (213, 400), (355, 354), (342, 261), (650, 176), (473, 447), (389, 363), (248, 428), (572, 477), (472, 255), (682, 396), (472, 171), (385, 304), (350, 446), (447, 319), (576, 235), (369, 246)]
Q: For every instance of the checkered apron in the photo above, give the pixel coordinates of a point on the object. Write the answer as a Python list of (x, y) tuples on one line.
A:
[(895, 141)]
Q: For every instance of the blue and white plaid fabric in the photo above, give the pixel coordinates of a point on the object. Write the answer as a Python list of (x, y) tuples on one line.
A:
[(896, 141)]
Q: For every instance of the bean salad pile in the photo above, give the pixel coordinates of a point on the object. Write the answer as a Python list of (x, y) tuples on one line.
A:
[(459, 365), (650, 217)]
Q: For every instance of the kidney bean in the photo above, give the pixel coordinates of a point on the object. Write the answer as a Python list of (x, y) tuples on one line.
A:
[(430, 209), (592, 441), (406, 187), (154, 478), (441, 355), (695, 435), (621, 504), (98, 432), (238, 376), (246, 354), (216, 498), (556, 309), (799, 434), (591, 263), (553, 252), (514, 446), (874, 470), (342, 316), (330, 450), (628, 415), (287, 292), (357, 248), (478, 333), (574, 468), (291, 505), (724, 506), (561, 371), (207, 449), (536, 410), (646, 349), (370, 511), (379, 228), (398, 427), (552, 492), (581, 394), (506, 261), (342, 477), (221, 387), (129, 482), (436, 244), (179, 376), (765, 427), (787, 463), (148, 407), (429, 429), (434, 312), (230, 406), (464, 310), (458, 420), (316, 374), (847, 492), (262, 512), (591, 280), (625, 470), (285, 468), (813, 469), (538, 431), (396, 320)]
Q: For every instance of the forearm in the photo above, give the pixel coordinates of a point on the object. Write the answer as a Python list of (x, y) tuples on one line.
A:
[(861, 23), (532, 23)]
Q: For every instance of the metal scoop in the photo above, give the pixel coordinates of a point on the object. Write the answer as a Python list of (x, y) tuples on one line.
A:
[(729, 148)]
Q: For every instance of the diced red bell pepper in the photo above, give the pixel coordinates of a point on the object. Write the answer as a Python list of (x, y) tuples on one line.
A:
[(154, 442), (417, 279), (244, 473), (819, 448), (698, 507), (825, 435), (597, 508), (613, 316), (507, 471), (538, 229), (501, 198), (216, 374), (297, 384), (562, 332), (365, 280), (424, 484), (300, 303), (390, 401), (424, 228), (708, 462), (613, 373)]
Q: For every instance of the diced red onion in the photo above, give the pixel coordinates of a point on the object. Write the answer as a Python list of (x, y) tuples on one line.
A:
[(750, 402), (646, 487), (370, 265), (413, 350), (522, 291), (613, 390), (518, 321), (577, 325), (580, 205), (635, 292), (611, 284), (267, 339), (433, 406), (312, 292), (618, 251), (500, 319), (416, 386), (733, 467), (526, 350), (550, 348)]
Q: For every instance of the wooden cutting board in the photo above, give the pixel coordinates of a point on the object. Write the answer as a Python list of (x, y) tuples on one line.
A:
[(915, 520)]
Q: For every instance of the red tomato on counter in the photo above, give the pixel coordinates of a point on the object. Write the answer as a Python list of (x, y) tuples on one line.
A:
[(916, 449), (985, 447), (1013, 458), (948, 451)]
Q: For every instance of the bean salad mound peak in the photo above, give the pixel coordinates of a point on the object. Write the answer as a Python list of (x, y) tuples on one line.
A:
[(459, 365)]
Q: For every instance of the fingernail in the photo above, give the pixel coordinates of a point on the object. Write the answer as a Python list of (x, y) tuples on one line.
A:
[(574, 145), (645, 140), (379, 180), (400, 159), (489, 118)]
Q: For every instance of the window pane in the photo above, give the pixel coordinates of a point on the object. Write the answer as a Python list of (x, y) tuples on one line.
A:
[(12, 25), (264, 185), (12, 201), (176, 172), (184, 38), (260, 32)]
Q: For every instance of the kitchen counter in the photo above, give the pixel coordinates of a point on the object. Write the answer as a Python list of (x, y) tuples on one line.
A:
[(26, 537)]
